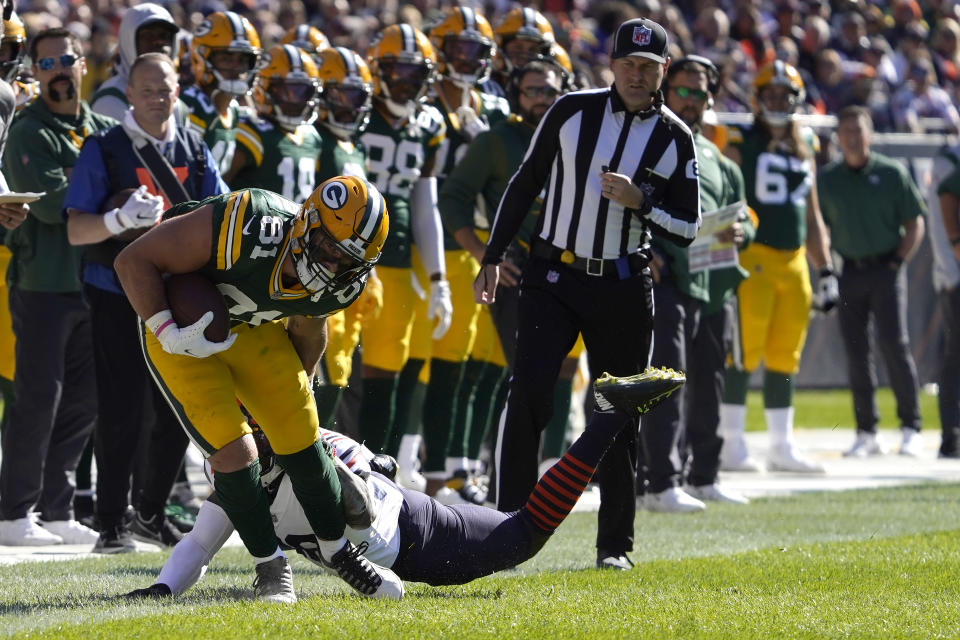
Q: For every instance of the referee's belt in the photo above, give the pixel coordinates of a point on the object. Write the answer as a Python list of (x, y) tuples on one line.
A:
[(622, 267)]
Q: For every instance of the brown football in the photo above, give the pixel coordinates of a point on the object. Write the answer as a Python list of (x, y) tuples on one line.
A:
[(191, 295), (115, 202)]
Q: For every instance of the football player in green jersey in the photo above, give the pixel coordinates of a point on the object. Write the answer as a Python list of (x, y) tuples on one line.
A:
[(224, 55), (344, 110), (401, 142), (271, 259), (776, 156), (278, 148), (464, 43)]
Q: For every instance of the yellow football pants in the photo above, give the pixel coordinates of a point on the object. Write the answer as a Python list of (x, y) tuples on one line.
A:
[(774, 304), (261, 369)]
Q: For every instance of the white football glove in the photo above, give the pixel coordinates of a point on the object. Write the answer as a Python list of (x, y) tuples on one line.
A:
[(186, 341), (471, 125), (141, 210), (828, 291), (440, 307)]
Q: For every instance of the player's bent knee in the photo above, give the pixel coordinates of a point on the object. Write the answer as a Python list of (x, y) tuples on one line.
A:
[(236, 455)]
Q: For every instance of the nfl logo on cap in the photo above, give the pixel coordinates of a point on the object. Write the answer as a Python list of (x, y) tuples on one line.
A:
[(641, 35)]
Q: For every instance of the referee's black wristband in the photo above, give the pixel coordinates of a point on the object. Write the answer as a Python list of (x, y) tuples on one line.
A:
[(645, 207)]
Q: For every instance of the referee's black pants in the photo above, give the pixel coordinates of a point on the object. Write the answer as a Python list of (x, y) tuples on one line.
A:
[(614, 316), (135, 425)]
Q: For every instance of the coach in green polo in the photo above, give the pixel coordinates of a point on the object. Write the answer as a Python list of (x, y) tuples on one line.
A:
[(875, 215)]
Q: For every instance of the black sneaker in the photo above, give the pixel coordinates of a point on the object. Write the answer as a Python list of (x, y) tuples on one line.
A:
[(114, 539), (367, 578), (156, 529)]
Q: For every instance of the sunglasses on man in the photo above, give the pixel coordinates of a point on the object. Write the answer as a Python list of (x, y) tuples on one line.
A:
[(684, 92), (66, 61), (536, 92)]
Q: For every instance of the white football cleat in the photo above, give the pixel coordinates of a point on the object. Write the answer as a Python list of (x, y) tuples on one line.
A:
[(24, 532), (912, 444), (672, 500), (734, 455), (71, 531), (274, 582), (866, 444), (715, 493), (786, 457)]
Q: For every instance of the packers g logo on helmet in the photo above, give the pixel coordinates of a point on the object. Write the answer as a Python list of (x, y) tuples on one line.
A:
[(345, 92), (778, 74), (287, 86), (523, 24), (12, 47), (225, 32), (338, 234), (402, 62), (463, 40), (308, 38)]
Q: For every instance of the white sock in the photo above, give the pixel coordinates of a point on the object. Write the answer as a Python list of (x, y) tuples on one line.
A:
[(455, 464), (779, 425), (276, 554), (409, 453), (329, 548), (733, 420), (436, 475)]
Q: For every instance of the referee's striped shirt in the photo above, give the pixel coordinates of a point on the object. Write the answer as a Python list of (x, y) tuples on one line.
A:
[(582, 132)]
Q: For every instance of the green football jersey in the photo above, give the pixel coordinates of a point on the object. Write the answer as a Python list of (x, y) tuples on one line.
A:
[(218, 132), (278, 160), (484, 170), (341, 158), (251, 240), (492, 109), (777, 185), (395, 160)]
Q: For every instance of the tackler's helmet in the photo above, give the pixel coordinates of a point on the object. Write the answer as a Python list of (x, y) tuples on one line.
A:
[(308, 38), (287, 86), (523, 24), (463, 40), (338, 234), (230, 32), (778, 74), (12, 46), (345, 93), (402, 62)]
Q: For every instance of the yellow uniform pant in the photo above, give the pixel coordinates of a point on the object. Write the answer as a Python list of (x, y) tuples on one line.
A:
[(261, 369), (774, 306), (6, 326), (386, 338)]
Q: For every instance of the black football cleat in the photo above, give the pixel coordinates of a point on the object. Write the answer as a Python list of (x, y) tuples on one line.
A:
[(636, 393)]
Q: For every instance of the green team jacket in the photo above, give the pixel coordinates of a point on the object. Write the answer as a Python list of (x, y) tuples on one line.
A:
[(485, 170), (41, 149)]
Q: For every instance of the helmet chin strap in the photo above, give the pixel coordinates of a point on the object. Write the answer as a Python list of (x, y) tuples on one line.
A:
[(401, 110)]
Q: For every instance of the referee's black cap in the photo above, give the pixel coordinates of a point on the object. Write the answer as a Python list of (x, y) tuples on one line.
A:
[(641, 37)]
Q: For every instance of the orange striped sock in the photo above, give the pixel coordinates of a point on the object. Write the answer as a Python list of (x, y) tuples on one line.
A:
[(557, 492)]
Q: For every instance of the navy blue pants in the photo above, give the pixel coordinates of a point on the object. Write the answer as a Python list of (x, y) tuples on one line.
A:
[(444, 545)]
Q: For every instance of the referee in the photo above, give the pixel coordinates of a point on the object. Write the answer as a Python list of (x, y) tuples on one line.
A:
[(614, 166)]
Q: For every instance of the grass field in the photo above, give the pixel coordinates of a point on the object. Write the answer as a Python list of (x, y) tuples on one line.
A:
[(868, 564), (830, 408), (876, 563)]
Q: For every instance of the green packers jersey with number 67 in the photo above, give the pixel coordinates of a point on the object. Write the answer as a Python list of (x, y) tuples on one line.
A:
[(251, 239), (395, 161)]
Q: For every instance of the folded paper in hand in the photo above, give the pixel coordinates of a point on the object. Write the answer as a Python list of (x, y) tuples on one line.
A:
[(20, 198)]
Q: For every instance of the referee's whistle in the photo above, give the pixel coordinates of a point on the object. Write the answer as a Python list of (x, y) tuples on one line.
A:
[(605, 168)]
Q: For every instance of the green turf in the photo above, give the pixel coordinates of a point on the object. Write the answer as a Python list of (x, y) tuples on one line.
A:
[(817, 409), (862, 564)]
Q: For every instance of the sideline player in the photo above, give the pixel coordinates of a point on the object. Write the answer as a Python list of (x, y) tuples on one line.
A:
[(271, 259), (421, 539)]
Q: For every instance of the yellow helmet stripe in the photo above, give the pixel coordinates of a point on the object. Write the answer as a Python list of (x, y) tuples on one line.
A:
[(293, 57), (349, 64), (409, 38), (372, 214), (236, 23), (469, 19)]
